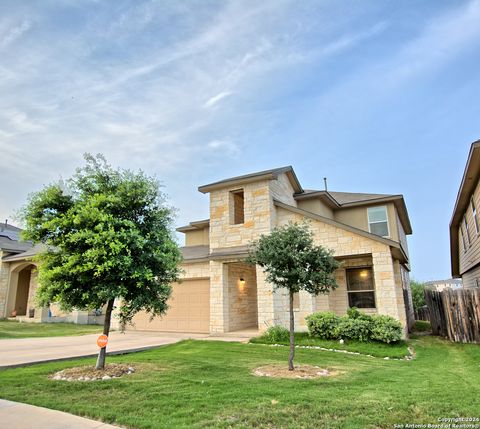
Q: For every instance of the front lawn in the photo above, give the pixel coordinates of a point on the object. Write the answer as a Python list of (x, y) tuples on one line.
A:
[(14, 329), (204, 384), (397, 350)]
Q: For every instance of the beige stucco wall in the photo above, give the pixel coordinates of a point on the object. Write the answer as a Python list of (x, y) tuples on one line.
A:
[(316, 206), (358, 218), (197, 238)]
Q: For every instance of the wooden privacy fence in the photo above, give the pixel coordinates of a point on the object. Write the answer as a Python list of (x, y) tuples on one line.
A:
[(422, 313), (455, 314)]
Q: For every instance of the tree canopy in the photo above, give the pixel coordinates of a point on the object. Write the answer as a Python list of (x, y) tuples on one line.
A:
[(108, 235), (291, 260)]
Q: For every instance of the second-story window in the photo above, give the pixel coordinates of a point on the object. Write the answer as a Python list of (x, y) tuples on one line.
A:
[(474, 212), (378, 221), (237, 207), (463, 241), (467, 232)]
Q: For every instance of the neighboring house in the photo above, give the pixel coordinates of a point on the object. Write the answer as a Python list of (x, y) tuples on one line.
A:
[(440, 285), (18, 284), (220, 293), (465, 224), (10, 245)]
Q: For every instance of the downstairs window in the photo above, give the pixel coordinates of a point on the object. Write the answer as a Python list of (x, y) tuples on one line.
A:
[(360, 288)]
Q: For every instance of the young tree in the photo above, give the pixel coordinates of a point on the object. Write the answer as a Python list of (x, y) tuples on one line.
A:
[(292, 261), (108, 235), (418, 294)]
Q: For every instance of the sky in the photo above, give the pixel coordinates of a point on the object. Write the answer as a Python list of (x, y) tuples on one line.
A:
[(377, 96)]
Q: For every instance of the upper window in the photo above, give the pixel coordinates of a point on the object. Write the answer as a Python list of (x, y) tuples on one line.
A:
[(237, 210), (360, 287), (378, 221), (463, 240), (475, 219), (467, 232)]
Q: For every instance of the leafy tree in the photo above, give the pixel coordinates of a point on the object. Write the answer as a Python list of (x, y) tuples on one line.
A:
[(292, 261), (418, 294), (108, 236)]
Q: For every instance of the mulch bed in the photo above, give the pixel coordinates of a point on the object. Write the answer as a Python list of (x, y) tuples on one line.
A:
[(300, 372), (89, 373)]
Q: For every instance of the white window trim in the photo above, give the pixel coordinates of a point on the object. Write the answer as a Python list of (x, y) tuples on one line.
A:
[(382, 221), (474, 212), (467, 231), (373, 290)]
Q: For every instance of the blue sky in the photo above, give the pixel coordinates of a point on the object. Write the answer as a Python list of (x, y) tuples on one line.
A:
[(378, 96)]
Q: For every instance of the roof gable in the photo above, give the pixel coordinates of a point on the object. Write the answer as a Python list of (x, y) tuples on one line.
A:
[(255, 177)]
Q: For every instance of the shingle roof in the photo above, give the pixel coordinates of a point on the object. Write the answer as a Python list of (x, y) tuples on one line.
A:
[(195, 252), (27, 254), (354, 197)]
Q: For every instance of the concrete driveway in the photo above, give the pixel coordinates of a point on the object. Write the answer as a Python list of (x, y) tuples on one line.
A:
[(24, 351)]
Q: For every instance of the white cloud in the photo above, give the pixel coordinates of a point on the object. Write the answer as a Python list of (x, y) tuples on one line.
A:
[(14, 33), (223, 147), (215, 99)]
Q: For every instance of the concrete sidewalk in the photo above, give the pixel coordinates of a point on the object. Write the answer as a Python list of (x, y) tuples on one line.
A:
[(24, 351), (14, 415)]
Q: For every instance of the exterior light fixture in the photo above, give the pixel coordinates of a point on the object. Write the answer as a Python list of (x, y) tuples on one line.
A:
[(241, 283), (364, 273)]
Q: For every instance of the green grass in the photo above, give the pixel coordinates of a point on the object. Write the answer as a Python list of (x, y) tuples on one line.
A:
[(14, 329), (422, 326), (397, 350), (207, 384)]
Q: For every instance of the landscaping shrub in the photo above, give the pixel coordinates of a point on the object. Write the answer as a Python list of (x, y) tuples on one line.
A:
[(354, 328), (385, 329), (422, 326), (356, 325), (323, 325), (277, 334)]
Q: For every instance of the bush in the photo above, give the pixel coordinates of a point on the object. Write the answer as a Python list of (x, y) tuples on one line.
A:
[(356, 325), (422, 326), (386, 329), (277, 334), (323, 325), (354, 328)]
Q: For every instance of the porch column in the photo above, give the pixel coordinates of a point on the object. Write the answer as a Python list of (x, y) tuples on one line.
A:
[(265, 301), (385, 291), (308, 305), (219, 297)]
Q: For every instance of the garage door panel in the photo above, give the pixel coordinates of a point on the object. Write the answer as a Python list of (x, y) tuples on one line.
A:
[(189, 310)]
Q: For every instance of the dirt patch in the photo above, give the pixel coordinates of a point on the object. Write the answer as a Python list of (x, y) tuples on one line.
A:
[(89, 373), (300, 371)]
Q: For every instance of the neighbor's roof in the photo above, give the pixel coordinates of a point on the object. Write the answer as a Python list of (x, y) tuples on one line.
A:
[(254, 177), (470, 178), (10, 239), (29, 254)]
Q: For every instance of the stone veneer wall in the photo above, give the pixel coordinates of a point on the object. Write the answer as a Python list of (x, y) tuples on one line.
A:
[(4, 271), (242, 297), (257, 212), (346, 243)]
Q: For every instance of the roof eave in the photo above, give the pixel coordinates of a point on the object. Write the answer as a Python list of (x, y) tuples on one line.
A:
[(470, 178)]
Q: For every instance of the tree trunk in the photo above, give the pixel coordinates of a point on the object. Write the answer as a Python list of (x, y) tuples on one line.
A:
[(106, 330), (292, 335)]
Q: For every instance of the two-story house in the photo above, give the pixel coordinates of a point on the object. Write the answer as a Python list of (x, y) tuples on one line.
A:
[(465, 226), (221, 293)]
